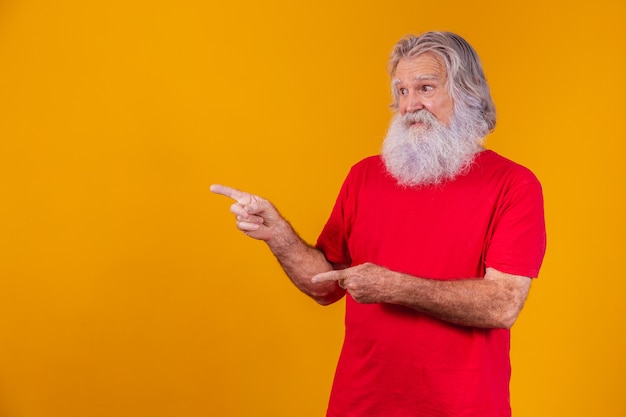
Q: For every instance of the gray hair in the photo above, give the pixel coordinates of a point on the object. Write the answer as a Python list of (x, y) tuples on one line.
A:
[(466, 79)]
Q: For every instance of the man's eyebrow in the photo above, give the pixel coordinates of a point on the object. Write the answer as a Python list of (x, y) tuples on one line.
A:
[(426, 77)]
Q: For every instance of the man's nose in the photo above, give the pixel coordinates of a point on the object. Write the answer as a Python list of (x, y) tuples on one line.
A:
[(414, 103)]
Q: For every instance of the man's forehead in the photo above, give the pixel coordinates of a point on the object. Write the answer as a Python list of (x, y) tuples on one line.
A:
[(427, 66)]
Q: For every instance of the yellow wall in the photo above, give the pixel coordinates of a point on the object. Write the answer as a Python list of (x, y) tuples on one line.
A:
[(125, 289)]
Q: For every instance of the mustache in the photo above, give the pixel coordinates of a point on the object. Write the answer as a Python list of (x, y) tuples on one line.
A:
[(421, 116)]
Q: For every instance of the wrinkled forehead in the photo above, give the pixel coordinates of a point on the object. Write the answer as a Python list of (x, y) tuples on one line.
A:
[(427, 66)]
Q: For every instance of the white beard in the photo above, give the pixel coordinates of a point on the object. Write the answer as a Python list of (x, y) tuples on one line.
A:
[(433, 152)]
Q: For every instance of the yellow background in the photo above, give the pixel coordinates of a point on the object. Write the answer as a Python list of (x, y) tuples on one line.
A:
[(125, 289)]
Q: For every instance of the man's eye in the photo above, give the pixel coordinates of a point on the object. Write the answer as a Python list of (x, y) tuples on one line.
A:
[(427, 88), (403, 91)]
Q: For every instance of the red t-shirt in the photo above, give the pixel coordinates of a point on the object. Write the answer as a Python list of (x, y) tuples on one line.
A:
[(396, 361)]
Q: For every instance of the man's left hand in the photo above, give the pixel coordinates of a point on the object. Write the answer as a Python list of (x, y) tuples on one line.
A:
[(367, 283)]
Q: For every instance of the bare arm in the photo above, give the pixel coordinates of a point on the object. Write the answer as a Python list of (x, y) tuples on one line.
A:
[(259, 219), (492, 302)]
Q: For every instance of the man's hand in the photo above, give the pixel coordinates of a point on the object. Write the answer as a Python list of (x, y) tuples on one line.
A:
[(256, 217), (259, 219), (366, 283)]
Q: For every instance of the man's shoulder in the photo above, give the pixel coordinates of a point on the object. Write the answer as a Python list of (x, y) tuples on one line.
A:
[(368, 161), (496, 164), (369, 164), (369, 171)]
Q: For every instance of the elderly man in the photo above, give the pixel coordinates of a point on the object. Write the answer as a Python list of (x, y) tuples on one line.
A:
[(433, 244)]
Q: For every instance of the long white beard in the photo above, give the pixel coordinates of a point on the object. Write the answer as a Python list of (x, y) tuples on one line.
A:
[(433, 152)]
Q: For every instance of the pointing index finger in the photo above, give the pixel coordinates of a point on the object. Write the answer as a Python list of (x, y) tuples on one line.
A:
[(229, 192), (327, 276)]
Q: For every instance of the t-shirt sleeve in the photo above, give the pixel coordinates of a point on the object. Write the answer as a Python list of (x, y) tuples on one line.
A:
[(333, 240), (518, 242)]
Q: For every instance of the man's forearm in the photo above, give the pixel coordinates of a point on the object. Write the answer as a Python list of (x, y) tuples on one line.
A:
[(301, 261), (492, 302)]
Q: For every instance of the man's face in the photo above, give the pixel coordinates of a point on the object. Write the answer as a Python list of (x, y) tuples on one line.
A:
[(431, 140), (420, 83)]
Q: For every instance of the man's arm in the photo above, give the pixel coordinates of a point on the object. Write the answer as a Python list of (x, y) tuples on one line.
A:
[(492, 302), (259, 219)]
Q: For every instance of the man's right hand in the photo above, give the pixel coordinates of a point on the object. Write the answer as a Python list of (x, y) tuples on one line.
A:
[(259, 219), (256, 217)]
